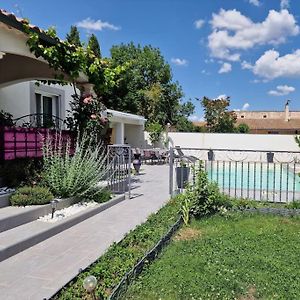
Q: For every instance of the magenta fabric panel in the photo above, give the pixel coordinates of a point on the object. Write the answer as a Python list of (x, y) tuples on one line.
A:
[(27, 142)]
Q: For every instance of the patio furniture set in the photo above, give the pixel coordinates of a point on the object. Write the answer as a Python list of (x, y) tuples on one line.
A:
[(152, 156)]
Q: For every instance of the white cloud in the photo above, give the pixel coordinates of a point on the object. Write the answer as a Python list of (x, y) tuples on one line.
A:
[(199, 23), (282, 90), (179, 61), (96, 25), (284, 4), (225, 68), (222, 96), (234, 32), (271, 65), (246, 106), (254, 2), (246, 65), (195, 118)]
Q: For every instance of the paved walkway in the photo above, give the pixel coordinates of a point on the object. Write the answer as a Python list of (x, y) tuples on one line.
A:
[(40, 271)]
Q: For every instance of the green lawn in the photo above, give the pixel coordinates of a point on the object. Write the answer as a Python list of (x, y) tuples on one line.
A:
[(241, 256)]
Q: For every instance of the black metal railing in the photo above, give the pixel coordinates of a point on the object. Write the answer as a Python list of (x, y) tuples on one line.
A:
[(40, 120), (259, 175)]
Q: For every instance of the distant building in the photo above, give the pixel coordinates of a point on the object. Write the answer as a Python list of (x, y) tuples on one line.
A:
[(271, 122)]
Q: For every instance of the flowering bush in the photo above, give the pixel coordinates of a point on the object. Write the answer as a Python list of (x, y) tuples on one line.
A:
[(87, 114)]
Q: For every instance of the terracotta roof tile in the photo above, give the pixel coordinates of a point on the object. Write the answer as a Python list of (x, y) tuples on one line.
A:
[(11, 20)]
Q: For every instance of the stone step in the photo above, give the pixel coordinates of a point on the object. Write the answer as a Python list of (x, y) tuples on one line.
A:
[(27, 235), (4, 200), (13, 216)]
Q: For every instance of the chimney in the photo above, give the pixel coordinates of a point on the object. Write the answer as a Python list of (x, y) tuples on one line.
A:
[(287, 111)]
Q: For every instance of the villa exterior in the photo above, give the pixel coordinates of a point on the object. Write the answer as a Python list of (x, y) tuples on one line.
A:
[(271, 122)]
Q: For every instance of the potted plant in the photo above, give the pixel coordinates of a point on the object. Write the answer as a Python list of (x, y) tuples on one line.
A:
[(182, 174), (270, 157)]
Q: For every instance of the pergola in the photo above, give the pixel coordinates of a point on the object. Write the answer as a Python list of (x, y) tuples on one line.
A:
[(17, 63)]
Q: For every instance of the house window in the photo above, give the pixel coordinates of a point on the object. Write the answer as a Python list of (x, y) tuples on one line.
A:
[(264, 116), (242, 117), (47, 110)]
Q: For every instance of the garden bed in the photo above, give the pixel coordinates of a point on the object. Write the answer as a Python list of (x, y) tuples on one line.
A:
[(236, 256)]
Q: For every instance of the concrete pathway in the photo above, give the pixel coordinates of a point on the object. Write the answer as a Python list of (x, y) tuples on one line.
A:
[(40, 271)]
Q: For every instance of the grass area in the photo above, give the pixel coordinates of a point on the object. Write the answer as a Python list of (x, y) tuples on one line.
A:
[(238, 256)]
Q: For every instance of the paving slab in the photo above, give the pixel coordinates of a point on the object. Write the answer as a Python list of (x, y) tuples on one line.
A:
[(40, 271)]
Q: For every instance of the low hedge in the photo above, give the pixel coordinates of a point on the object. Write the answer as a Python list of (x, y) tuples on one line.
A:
[(28, 195), (121, 257)]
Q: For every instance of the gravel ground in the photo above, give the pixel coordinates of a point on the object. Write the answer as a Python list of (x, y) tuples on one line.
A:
[(67, 212)]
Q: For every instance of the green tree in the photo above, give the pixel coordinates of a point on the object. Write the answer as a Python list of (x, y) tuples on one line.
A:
[(94, 45), (183, 124), (146, 87), (155, 130), (243, 128), (217, 116), (73, 36)]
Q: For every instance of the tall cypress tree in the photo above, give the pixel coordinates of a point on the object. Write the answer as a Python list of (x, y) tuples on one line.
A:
[(73, 36), (94, 45)]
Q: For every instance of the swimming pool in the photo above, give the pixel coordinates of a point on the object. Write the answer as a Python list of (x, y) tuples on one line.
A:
[(260, 178)]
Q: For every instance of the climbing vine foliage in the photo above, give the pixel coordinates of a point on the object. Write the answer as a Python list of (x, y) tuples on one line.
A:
[(70, 60)]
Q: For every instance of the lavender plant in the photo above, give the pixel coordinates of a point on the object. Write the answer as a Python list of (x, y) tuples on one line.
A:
[(74, 175)]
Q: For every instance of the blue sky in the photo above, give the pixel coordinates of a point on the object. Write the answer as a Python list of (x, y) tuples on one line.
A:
[(246, 49)]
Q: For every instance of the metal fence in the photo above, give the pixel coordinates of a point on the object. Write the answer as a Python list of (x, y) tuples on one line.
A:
[(258, 175), (119, 168)]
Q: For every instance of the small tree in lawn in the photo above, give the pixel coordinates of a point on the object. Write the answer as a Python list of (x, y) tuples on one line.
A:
[(217, 116)]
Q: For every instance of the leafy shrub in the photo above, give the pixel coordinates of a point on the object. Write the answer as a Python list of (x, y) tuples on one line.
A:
[(99, 195), (205, 196), (293, 205), (155, 130), (77, 175), (244, 204), (28, 195)]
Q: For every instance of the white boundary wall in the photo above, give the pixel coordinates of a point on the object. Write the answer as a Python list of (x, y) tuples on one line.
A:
[(265, 142)]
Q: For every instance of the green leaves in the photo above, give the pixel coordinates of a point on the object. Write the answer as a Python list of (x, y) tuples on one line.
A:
[(155, 130), (217, 116), (74, 175)]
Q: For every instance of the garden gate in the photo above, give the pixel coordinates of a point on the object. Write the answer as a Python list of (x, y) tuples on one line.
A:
[(119, 170)]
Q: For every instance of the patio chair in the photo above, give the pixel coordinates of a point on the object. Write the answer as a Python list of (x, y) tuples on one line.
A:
[(146, 155), (182, 156)]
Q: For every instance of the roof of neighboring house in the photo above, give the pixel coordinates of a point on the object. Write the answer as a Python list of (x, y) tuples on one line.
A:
[(18, 23), (270, 123), (199, 123)]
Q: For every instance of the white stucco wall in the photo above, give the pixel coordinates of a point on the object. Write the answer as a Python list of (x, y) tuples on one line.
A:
[(134, 135), (266, 142), (15, 98)]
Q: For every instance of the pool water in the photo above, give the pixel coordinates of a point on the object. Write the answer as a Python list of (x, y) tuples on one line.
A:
[(254, 176)]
